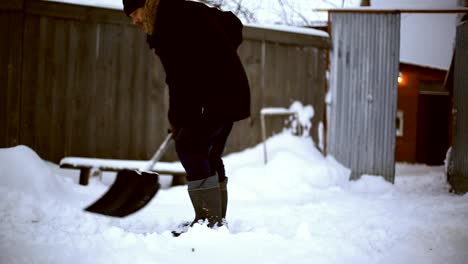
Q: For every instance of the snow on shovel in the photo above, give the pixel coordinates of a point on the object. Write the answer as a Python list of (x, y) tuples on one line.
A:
[(132, 189)]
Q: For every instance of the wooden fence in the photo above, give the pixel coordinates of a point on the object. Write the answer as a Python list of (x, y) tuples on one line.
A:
[(457, 169), (81, 81)]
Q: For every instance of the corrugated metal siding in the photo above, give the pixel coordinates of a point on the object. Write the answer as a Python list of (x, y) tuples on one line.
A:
[(363, 83), (459, 156)]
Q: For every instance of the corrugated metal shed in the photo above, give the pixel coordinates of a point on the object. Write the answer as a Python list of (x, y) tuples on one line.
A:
[(458, 173), (363, 83)]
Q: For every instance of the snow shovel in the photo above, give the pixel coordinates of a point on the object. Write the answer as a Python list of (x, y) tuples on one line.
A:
[(132, 189)]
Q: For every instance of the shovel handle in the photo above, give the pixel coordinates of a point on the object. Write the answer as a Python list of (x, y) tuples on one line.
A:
[(157, 156)]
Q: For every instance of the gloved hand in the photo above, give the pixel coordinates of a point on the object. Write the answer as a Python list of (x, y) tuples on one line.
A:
[(174, 130)]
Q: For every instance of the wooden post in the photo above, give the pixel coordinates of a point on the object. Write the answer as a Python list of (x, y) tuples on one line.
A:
[(365, 3), (84, 176), (458, 169)]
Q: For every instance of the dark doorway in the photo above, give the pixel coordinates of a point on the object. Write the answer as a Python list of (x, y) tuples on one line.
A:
[(433, 124)]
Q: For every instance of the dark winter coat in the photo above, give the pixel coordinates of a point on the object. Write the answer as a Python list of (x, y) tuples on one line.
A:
[(197, 46)]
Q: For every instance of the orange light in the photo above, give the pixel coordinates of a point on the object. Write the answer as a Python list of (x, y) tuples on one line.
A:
[(400, 78)]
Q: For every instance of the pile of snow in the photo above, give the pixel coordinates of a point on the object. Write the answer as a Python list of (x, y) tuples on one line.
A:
[(297, 208), (21, 169)]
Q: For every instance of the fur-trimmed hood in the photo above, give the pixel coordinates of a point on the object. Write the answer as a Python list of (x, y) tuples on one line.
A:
[(151, 9)]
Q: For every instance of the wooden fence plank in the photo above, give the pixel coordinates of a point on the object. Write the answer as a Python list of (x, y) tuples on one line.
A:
[(10, 76), (4, 65), (11, 5), (69, 85), (42, 106), (123, 94), (141, 100), (107, 65), (29, 90), (58, 92), (81, 13), (139, 68), (84, 104), (246, 132), (156, 106), (89, 85), (14, 75)]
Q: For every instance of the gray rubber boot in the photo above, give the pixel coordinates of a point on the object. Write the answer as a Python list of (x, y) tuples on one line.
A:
[(206, 200), (224, 197)]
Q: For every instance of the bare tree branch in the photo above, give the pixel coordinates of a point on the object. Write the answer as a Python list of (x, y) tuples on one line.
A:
[(288, 12), (332, 3)]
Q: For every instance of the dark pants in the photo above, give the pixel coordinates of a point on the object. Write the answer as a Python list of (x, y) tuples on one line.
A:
[(200, 149)]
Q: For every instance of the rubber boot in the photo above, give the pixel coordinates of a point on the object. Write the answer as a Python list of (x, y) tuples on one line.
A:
[(206, 201), (224, 198)]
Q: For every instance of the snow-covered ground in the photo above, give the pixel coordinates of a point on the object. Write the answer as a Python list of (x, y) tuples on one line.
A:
[(298, 208)]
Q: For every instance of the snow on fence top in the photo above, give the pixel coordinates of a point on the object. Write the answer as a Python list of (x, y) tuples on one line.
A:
[(402, 9), (291, 29), (110, 4), (117, 5)]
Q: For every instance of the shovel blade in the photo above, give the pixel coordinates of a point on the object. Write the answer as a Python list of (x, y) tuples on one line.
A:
[(131, 191)]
